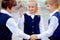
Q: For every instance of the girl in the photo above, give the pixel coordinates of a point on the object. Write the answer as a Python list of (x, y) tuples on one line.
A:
[(31, 22), (8, 25), (53, 31)]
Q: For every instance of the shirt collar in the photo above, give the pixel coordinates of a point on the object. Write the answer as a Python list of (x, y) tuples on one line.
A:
[(53, 12), (30, 14), (5, 12)]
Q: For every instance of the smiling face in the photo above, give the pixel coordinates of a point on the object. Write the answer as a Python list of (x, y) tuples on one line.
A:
[(31, 7)]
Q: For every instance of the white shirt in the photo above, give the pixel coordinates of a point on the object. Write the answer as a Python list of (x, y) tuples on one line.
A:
[(52, 26), (21, 22), (13, 27)]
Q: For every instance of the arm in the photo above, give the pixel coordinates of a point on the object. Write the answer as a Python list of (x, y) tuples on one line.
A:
[(11, 24), (52, 27), (21, 18), (41, 25), (21, 22)]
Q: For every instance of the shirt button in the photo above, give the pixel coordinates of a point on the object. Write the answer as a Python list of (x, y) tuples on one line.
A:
[(32, 21), (32, 26), (32, 32)]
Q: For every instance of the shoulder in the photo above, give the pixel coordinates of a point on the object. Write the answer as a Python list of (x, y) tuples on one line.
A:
[(56, 15), (4, 15), (53, 18)]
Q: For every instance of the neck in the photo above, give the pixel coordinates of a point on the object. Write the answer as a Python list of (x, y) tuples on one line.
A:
[(54, 9), (32, 13), (8, 10)]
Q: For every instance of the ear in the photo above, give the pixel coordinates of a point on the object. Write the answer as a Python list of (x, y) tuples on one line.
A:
[(7, 7)]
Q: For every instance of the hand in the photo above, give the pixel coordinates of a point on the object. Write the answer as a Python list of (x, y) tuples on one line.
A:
[(21, 11), (33, 37)]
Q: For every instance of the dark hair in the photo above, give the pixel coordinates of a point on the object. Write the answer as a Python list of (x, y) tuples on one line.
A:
[(8, 3)]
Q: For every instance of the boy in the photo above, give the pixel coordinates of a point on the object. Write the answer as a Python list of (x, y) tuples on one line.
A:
[(7, 23), (53, 31)]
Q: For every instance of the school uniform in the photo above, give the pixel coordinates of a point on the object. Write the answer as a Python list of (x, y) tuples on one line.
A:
[(32, 24), (53, 31), (5, 33), (56, 34), (8, 27)]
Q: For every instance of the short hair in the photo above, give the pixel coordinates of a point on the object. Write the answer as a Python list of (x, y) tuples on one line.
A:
[(8, 3), (52, 2)]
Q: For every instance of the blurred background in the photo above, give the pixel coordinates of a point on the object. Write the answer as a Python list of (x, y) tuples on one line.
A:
[(43, 12)]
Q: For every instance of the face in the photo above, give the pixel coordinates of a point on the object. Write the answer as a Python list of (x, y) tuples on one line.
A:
[(49, 7), (10, 10), (31, 7), (21, 10)]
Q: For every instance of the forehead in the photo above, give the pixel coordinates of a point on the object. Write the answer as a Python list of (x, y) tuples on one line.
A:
[(31, 4), (48, 4)]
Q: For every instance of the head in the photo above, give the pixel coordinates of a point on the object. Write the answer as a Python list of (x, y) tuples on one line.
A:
[(32, 6), (51, 5), (8, 5)]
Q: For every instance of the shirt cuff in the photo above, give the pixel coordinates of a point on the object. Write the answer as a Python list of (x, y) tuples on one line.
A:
[(28, 37), (38, 36), (25, 36)]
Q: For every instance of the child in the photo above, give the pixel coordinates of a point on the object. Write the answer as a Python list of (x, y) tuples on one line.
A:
[(53, 31), (7, 23), (31, 22)]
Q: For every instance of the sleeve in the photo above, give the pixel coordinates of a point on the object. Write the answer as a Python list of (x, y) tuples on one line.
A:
[(52, 27), (11, 24), (21, 22), (41, 26)]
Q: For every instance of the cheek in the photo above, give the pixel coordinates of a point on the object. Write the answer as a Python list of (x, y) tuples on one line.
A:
[(28, 8), (48, 8), (13, 9), (33, 9)]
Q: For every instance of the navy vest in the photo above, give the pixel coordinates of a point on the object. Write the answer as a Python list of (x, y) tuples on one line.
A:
[(56, 34), (5, 33), (31, 26)]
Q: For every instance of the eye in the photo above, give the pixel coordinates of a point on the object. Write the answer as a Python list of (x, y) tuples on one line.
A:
[(32, 6)]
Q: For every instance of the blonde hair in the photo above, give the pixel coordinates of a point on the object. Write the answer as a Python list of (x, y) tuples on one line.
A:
[(59, 5), (59, 8), (52, 2), (37, 10)]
